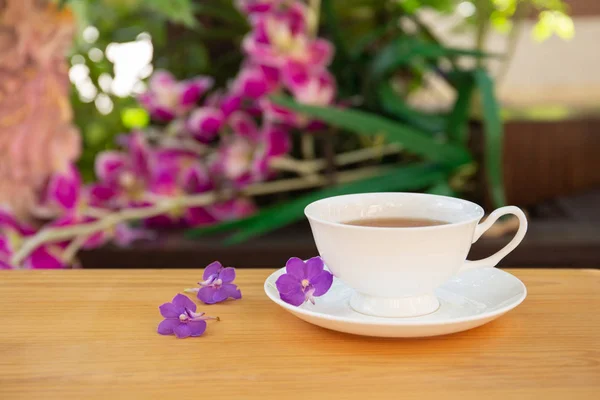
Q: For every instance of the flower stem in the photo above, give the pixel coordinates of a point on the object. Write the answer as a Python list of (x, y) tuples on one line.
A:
[(309, 179)]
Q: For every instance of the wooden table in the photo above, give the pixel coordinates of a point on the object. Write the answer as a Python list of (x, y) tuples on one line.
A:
[(90, 334)]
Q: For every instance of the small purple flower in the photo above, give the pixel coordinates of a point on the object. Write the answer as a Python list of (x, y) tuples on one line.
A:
[(182, 319), (217, 285), (303, 281)]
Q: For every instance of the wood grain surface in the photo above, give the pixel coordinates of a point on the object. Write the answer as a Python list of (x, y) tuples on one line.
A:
[(90, 334)]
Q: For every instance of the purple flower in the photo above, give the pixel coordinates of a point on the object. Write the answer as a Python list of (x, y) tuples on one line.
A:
[(217, 285), (303, 281), (181, 318), (167, 98)]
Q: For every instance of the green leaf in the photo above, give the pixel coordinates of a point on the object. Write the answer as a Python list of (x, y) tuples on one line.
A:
[(394, 105), (223, 11), (178, 11), (364, 123), (403, 50), (413, 177), (493, 134), (458, 120), (333, 26), (442, 188)]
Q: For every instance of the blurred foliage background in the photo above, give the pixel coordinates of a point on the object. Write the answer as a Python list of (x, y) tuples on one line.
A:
[(383, 54)]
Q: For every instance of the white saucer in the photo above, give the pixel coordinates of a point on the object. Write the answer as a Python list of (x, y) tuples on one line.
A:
[(468, 300)]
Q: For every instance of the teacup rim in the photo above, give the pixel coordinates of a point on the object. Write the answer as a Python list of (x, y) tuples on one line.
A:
[(480, 213)]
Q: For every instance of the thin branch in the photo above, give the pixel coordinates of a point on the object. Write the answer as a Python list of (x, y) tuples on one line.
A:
[(85, 230), (73, 248)]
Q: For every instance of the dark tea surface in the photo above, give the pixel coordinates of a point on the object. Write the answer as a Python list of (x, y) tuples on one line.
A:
[(395, 222)]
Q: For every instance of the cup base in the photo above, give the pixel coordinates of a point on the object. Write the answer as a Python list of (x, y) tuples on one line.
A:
[(401, 307)]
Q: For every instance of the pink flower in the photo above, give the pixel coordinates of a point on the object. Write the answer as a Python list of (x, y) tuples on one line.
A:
[(123, 177), (309, 87), (205, 123), (168, 98), (280, 36), (61, 194), (257, 6), (254, 81), (244, 156), (12, 235)]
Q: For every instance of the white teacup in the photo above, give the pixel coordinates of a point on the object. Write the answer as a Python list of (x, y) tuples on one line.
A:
[(395, 271)]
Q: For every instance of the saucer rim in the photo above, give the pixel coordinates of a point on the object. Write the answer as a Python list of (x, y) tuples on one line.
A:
[(394, 321)]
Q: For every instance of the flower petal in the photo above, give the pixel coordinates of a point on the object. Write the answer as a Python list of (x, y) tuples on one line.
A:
[(41, 258), (184, 302), (251, 83), (227, 275), (219, 295), (295, 267), (206, 294), (182, 331), (277, 141), (197, 328), (205, 123), (167, 326), (63, 188), (320, 53), (192, 90), (314, 267), (232, 291), (321, 283), (109, 165), (295, 297), (170, 310), (243, 125), (5, 265), (287, 283), (212, 269), (198, 216)]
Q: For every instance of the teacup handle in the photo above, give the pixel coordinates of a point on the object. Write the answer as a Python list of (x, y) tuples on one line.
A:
[(494, 259)]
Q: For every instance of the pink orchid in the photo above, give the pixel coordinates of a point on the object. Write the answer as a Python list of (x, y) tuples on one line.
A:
[(257, 6), (309, 87), (12, 235), (168, 98), (61, 194), (123, 177), (244, 157), (278, 38), (204, 123), (255, 81)]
